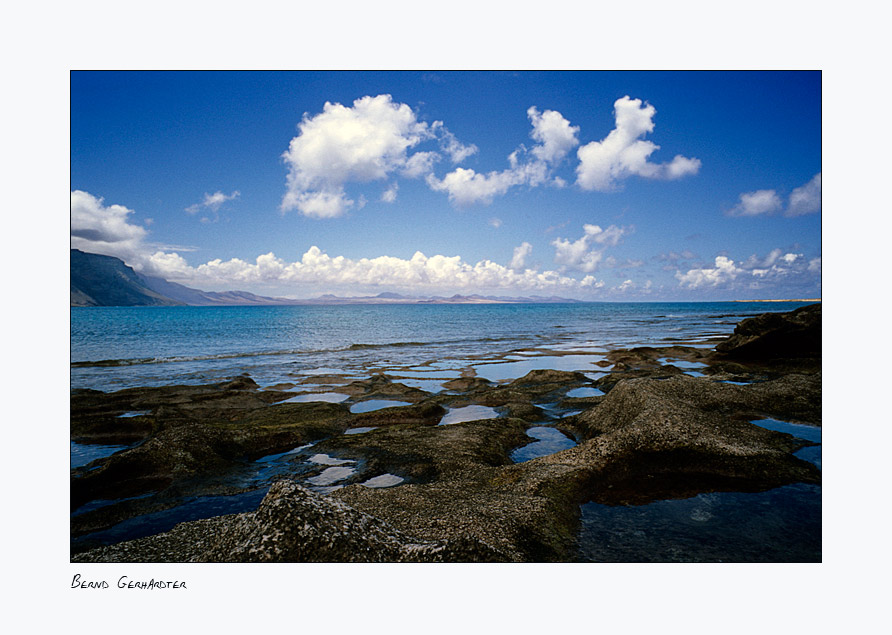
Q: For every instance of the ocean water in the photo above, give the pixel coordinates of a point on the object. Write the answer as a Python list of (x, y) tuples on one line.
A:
[(120, 347)]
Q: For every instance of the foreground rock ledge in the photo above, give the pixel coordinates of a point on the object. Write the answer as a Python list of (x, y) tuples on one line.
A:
[(647, 440), (293, 524)]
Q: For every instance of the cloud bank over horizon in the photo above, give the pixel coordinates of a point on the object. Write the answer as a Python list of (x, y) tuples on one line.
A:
[(104, 229)]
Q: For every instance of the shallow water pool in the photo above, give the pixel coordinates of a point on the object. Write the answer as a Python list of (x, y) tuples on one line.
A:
[(376, 404), (384, 480), (548, 441), (327, 397), (585, 391), (779, 525), (468, 413), (332, 475), (812, 454), (82, 454), (513, 370)]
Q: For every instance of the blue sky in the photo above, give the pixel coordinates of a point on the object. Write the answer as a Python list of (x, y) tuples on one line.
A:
[(590, 185)]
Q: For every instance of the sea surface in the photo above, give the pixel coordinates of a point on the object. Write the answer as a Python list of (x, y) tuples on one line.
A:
[(425, 346), (121, 347)]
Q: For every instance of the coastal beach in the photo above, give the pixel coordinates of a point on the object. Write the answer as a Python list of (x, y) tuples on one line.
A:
[(560, 432)]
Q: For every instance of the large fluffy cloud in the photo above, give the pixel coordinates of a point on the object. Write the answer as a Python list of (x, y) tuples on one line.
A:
[(373, 140), (623, 152), (586, 252), (104, 229), (366, 142), (93, 222)]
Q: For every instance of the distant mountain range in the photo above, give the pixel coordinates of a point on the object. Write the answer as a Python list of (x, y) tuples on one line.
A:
[(106, 281)]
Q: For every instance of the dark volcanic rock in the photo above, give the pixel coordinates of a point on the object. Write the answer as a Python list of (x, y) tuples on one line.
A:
[(772, 336), (467, 384), (422, 414), (192, 431), (535, 385), (424, 454), (383, 387)]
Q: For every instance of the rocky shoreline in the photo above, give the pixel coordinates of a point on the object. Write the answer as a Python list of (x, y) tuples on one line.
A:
[(655, 433)]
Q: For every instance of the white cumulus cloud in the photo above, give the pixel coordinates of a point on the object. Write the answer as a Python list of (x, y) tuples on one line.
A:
[(623, 152), (105, 229), (366, 142), (521, 253), (723, 272), (777, 271), (757, 203), (555, 137), (806, 199), (418, 273), (585, 253), (465, 186), (554, 133), (94, 224)]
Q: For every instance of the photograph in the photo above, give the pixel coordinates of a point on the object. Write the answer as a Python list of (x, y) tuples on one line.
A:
[(444, 316)]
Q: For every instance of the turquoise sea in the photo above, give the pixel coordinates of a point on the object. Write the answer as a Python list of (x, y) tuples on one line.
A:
[(424, 346), (119, 347)]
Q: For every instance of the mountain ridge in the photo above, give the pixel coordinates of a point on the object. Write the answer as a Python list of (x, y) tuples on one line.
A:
[(98, 280)]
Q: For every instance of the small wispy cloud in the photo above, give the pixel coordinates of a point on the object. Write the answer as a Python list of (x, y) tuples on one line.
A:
[(389, 195), (212, 203)]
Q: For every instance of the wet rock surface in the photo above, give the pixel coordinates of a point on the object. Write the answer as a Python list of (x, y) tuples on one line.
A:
[(657, 433)]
